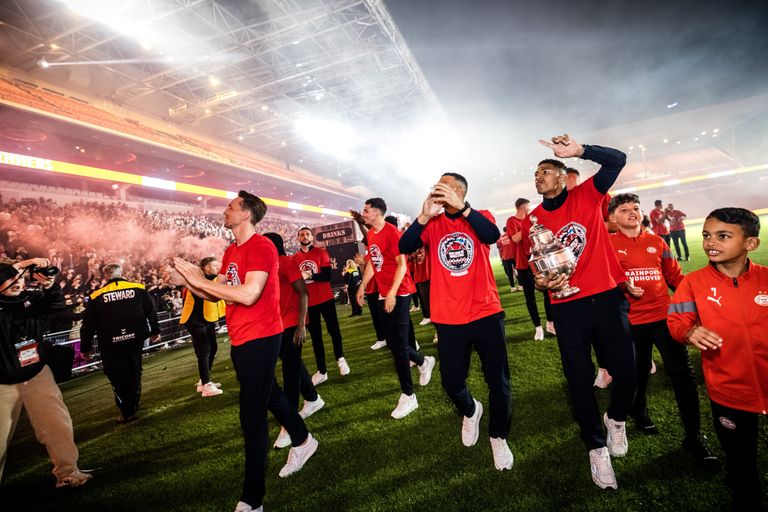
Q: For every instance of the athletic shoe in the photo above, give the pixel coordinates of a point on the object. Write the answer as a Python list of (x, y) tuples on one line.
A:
[(470, 427), (405, 406), (210, 389), (418, 347), (513, 289), (318, 378), (244, 507), (122, 419), (199, 385), (539, 336), (644, 423), (435, 339), (520, 288), (617, 436), (379, 344), (502, 456), (603, 378), (425, 370), (75, 479), (311, 408), (602, 471), (653, 367), (697, 448), (343, 366), (551, 328), (283, 439), (298, 456), (426, 321), (414, 309)]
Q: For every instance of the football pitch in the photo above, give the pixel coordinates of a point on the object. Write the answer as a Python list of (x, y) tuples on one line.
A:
[(185, 452)]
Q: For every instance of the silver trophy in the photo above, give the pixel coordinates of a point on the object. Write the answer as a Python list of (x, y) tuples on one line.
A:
[(551, 258)]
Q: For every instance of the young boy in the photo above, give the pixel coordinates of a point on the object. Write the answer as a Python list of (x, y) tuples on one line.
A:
[(651, 269), (722, 310)]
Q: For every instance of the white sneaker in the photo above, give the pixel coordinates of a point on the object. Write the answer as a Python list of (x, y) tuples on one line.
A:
[(602, 471), (603, 378), (244, 507), (617, 436), (418, 347), (199, 385), (502, 455), (379, 344), (435, 340), (425, 321), (343, 366), (520, 288), (311, 408), (210, 389), (551, 328), (470, 427), (653, 367), (539, 336), (405, 406), (283, 439), (298, 456), (425, 370), (318, 378)]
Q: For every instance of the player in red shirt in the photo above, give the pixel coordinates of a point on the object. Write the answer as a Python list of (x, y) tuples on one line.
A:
[(722, 309), (371, 292), (315, 266), (250, 287), (387, 265), (465, 307), (658, 221), (598, 312), (420, 261), (293, 310), (651, 271), (524, 275), (507, 254), (677, 231)]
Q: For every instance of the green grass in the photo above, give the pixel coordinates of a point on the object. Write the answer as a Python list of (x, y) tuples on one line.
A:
[(185, 453)]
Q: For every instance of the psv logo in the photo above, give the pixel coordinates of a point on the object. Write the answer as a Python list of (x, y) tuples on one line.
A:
[(574, 236), (309, 266), (376, 258), (233, 279), (456, 252)]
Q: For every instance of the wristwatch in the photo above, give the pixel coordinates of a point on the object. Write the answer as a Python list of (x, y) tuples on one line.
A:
[(466, 207)]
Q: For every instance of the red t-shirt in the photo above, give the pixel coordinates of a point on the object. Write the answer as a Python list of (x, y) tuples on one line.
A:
[(523, 247), (382, 251), (420, 266), (261, 319), (676, 220), (657, 225), (507, 249), (647, 260), (578, 224), (462, 285), (289, 300), (313, 261)]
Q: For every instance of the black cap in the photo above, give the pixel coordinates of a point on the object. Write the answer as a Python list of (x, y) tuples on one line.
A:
[(7, 271)]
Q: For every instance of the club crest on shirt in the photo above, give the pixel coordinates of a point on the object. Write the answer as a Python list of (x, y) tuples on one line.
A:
[(651, 250), (309, 266), (456, 252), (573, 235), (376, 258), (233, 278), (761, 299)]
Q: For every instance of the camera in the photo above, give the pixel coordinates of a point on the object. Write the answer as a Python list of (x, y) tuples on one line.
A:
[(48, 271)]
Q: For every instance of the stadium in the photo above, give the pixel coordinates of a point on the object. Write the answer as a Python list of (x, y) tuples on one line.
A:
[(128, 127)]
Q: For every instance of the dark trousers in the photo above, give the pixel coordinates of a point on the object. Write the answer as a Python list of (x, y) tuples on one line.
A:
[(396, 325), (525, 277), (677, 365), (356, 308), (254, 363), (415, 298), (737, 432), (373, 306), (204, 342), (600, 319), (122, 366), (666, 239), (509, 269), (327, 310), (296, 379), (677, 238), (455, 350), (423, 288)]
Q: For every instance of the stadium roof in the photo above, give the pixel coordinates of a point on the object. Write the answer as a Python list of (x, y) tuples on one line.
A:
[(256, 73)]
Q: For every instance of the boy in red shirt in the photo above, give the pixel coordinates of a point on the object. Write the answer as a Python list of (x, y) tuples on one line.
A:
[(466, 309), (677, 231), (650, 269), (388, 266), (722, 309), (250, 287), (658, 221)]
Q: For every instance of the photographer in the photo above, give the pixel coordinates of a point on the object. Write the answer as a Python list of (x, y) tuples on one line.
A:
[(25, 378)]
